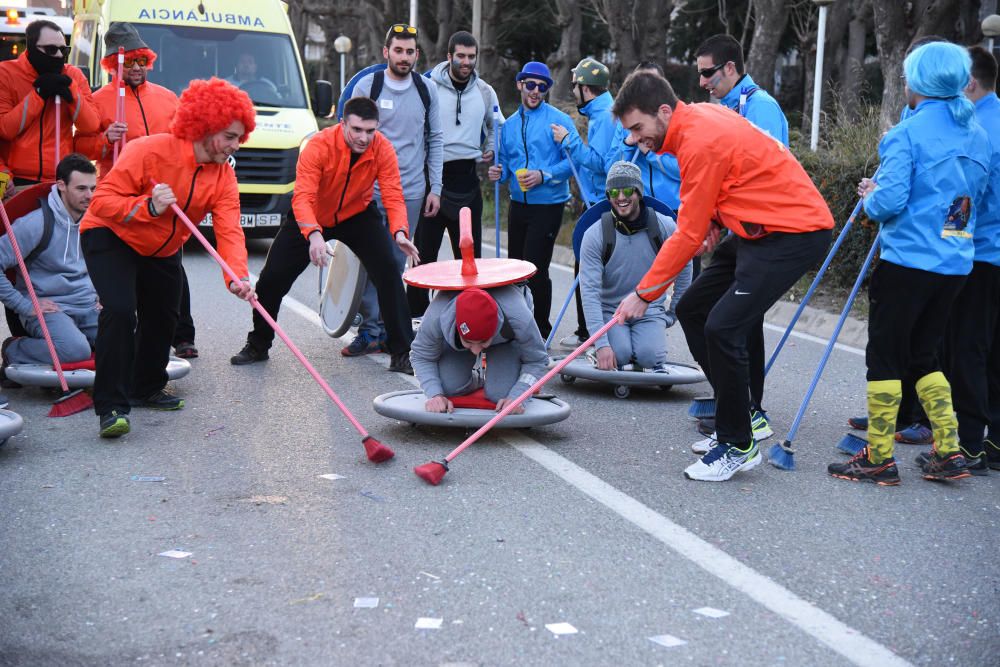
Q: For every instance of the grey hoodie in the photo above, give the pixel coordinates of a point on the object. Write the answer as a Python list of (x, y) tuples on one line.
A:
[(467, 133), (438, 330), (58, 273)]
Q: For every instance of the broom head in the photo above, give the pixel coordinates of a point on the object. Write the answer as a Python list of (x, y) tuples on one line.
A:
[(782, 456), (432, 472), (702, 407), (71, 403), (851, 444), (376, 451)]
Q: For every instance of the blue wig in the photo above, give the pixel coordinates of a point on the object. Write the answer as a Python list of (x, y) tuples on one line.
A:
[(941, 71)]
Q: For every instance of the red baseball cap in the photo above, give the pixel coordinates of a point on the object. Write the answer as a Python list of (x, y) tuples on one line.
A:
[(475, 315)]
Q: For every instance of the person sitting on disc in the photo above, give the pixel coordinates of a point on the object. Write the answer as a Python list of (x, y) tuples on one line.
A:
[(614, 255), (458, 327)]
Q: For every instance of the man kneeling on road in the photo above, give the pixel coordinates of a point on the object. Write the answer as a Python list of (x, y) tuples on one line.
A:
[(614, 256), (49, 239), (457, 329)]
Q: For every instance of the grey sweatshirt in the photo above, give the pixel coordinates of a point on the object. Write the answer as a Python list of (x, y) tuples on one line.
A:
[(438, 330), (472, 134), (604, 287), (401, 120), (58, 273)]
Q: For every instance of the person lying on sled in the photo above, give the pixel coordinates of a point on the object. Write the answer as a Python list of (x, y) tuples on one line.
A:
[(459, 327)]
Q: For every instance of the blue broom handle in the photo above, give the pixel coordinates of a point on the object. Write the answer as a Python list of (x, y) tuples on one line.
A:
[(496, 183), (833, 341), (590, 201), (562, 311)]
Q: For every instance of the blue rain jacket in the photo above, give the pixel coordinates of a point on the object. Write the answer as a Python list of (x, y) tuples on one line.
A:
[(987, 236), (759, 108), (589, 157), (526, 143)]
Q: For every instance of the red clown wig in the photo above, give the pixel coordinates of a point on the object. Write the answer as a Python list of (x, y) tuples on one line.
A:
[(109, 63), (211, 106)]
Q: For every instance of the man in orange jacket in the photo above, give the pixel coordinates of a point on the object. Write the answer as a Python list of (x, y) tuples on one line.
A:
[(149, 108), (334, 184), (737, 177), (132, 242), (29, 87)]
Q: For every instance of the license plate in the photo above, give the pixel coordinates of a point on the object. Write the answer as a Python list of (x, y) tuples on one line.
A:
[(250, 220), (268, 219)]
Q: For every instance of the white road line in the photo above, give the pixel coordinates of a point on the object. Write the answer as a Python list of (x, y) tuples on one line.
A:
[(812, 620)]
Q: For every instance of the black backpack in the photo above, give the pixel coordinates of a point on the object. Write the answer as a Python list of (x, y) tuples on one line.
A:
[(609, 235), (378, 81)]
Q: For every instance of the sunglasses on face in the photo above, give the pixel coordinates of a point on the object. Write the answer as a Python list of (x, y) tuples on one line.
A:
[(53, 50), (613, 193), (141, 61), (531, 85), (709, 71), (401, 29)]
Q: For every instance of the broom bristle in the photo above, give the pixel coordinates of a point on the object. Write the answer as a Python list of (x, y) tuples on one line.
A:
[(71, 403), (376, 451), (432, 472), (851, 444), (702, 407), (782, 456)]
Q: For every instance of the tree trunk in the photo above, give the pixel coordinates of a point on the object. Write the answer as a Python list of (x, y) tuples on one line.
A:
[(892, 36), (445, 27), (770, 18), (570, 22), (654, 31), (854, 68), (487, 64)]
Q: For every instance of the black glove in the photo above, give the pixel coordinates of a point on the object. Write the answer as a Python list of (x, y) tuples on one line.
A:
[(50, 85)]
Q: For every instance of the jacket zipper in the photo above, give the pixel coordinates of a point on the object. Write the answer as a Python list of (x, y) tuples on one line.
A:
[(347, 181), (173, 226), (652, 191), (135, 92), (524, 142)]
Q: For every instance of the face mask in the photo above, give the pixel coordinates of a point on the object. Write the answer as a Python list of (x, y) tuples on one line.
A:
[(44, 63)]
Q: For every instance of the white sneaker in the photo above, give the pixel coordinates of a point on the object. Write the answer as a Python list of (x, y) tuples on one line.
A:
[(571, 342), (722, 462), (702, 447), (760, 425)]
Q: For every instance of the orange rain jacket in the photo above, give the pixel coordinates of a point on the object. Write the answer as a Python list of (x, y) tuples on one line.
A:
[(28, 122), (737, 175), (329, 190), (149, 108), (121, 200)]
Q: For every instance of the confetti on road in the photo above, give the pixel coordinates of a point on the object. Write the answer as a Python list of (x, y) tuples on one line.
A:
[(711, 612), (428, 574), (365, 603), (311, 598), (373, 496), (669, 641), (174, 553), (331, 476), (561, 629), (424, 623), (148, 478), (265, 500)]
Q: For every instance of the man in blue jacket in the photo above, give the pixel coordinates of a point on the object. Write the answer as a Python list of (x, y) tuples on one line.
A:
[(933, 174), (538, 173)]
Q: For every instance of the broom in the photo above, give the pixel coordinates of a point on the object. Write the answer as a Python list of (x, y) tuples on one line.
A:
[(433, 472), (374, 450), (120, 102), (781, 455), (496, 183), (71, 402)]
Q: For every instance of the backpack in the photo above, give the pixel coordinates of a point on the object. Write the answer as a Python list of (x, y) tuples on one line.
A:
[(609, 235), (378, 81), (48, 224)]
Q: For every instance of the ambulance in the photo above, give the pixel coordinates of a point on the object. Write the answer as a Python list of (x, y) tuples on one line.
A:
[(13, 21), (251, 44)]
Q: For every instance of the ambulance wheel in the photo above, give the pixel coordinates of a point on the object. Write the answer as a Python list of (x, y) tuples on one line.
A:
[(621, 391), (568, 379)]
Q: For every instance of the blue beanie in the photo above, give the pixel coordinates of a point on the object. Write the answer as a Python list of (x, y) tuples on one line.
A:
[(941, 71)]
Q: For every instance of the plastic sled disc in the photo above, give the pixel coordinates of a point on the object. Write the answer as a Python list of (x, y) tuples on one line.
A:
[(78, 375), (460, 274), (677, 373), (594, 213), (10, 425), (345, 284), (408, 406)]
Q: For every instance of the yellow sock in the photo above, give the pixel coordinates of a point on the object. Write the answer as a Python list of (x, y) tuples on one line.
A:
[(934, 393), (884, 397)]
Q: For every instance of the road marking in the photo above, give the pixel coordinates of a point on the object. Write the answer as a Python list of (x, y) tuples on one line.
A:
[(812, 620), (816, 339)]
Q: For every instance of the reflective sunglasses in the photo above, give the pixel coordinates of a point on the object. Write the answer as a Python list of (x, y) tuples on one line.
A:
[(141, 61), (709, 71), (531, 85), (401, 28), (53, 50), (614, 192)]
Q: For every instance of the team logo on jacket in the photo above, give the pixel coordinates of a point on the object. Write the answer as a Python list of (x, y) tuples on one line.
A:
[(958, 219), (232, 162)]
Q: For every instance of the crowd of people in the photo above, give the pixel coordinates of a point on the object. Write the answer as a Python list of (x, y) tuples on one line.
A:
[(388, 180)]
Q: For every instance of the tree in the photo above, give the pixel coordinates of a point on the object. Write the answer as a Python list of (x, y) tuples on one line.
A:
[(769, 20)]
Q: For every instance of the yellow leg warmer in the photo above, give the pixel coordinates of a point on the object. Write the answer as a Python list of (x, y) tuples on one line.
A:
[(935, 396), (884, 397)]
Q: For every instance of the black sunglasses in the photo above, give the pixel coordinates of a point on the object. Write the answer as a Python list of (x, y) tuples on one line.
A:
[(53, 50), (531, 85), (709, 71)]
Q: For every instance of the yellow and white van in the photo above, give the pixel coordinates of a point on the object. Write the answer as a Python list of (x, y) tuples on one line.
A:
[(198, 39)]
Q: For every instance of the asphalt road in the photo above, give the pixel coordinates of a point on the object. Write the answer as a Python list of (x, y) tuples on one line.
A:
[(588, 523)]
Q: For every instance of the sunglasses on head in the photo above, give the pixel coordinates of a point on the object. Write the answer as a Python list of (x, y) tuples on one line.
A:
[(531, 85), (53, 50), (401, 29), (614, 192), (141, 61), (709, 71)]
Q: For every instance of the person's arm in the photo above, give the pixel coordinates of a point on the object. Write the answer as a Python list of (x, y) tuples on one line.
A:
[(765, 113), (435, 142), (17, 113), (559, 171), (892, 191), (124, 195), (426, 350), (308, 171), (531, 347), (390, 186), (592, 281), (84, 112), (28, 233), (229, 238), (491, 129)]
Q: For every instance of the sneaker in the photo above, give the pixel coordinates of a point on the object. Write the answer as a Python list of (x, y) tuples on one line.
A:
[(706, 426), (4, 363), (703, 446), (976, 465), (992, 454), (161, 400), (859, 469), (946, 468), (722, 462), (185, 350), (659, 368), (248, 355), (915, 434), (760, 426), (400, 363), (858, 423), (571, 342), (114, 424), (363, 344)]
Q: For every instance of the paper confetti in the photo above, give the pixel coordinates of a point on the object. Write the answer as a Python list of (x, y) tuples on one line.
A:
[(365, 603), (174, 553), (561, 628), (331, 476), (424, 623), (668, 641), (711, 612)]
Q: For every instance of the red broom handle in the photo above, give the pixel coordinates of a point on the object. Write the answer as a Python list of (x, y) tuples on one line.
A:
[(270, 320), (34, 298), (58, 129), (120, 100), (528, 392)]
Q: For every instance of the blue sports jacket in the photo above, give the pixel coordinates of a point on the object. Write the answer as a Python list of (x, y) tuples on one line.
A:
[(589, 158), (987, 236), (758, 107), (661, 177), (930, 186), (526, 143)]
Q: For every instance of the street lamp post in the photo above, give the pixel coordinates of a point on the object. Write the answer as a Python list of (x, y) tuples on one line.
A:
[(991, 29), (824, 8), (342, 45)]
